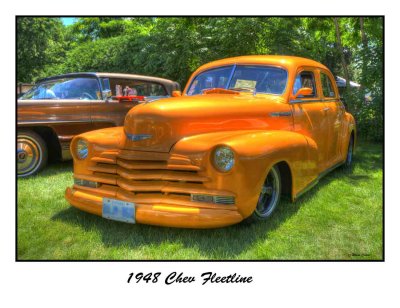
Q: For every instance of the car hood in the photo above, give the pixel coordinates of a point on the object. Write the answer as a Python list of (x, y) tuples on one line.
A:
[(158, 125)]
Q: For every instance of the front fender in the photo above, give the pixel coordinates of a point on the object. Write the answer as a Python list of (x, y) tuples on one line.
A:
[(256, 151)]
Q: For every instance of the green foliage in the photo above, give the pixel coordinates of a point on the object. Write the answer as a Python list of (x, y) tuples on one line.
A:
[(40, 45), (367, 64), (174, 47), (93, 28)]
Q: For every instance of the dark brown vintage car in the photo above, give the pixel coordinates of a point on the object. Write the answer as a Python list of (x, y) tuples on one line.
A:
[(59, 107)]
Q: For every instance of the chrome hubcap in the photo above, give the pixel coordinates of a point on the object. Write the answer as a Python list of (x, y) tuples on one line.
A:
[(268, 199), (28, 154)]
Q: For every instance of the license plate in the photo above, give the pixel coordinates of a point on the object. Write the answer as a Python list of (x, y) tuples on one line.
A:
[(118, 210)]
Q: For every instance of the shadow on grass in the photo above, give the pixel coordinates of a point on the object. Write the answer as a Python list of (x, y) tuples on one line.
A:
[(223, 243), (369, 156), (52, 169)]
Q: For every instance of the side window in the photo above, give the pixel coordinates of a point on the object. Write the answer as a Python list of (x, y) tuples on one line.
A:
[(327, 88), (80, 88), (150, 89), (136, 87), (305, 80)]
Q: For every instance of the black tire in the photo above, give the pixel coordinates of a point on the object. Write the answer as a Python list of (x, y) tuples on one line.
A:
[(31, 153), (350, 151), (269, 197)]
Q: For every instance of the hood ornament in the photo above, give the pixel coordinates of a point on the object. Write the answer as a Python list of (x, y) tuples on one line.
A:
[(138, 137)]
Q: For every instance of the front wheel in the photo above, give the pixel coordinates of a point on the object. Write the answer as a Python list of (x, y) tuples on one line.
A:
[(31, 153), (269, 196)]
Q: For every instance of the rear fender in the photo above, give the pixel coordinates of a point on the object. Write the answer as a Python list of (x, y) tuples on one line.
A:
[(349, 127)]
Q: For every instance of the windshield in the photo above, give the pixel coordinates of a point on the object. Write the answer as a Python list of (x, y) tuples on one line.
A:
[(246, 78), (65, 88)]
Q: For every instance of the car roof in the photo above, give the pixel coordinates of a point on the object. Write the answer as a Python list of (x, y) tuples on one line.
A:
[(163, 81), (290, 62)]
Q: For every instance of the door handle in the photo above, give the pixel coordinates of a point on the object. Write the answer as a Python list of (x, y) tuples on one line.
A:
[(326, 109)]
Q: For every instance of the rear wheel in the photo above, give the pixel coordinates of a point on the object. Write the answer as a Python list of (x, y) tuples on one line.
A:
[(349, 157), (269, 196), (31, 153)]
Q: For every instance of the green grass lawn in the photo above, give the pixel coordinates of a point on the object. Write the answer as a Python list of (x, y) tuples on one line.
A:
[(340, 218)]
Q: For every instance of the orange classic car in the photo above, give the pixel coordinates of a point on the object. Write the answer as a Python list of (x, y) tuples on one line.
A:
[(244, 131)]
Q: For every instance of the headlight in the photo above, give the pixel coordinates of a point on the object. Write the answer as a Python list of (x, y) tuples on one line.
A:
[(81, 149), (224, 158)]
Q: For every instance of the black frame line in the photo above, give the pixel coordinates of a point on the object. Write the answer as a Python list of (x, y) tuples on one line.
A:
[(216, 260)]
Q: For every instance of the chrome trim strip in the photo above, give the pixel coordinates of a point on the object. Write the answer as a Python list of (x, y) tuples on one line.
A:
[(227, 200), (231, 76), (62, 122), (54, 102), (300, 101), (281, 114), (51, 122), (295, 101)]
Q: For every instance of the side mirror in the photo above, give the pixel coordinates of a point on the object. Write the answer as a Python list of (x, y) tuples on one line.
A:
[(176, 93), (303, 92)]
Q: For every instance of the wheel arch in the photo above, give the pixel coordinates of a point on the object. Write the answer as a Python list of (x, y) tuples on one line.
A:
[(353, 135), (286, 178), (49, 136), (350, 130)]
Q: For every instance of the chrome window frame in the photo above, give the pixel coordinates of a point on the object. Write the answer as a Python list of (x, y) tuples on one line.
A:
[(308, 98), (322, 86)]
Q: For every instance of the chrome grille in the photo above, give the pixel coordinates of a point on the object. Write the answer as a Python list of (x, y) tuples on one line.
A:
[(156, 173)]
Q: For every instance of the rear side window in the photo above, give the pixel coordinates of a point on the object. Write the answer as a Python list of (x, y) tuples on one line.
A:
[(136, 87), (305, 79), (327, 88)]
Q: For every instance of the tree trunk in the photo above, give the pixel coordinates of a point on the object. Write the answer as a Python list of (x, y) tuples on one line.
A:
[(363, 36), (340, 49), (364, 53)]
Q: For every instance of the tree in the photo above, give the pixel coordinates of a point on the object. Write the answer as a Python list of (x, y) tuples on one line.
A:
[(40, 44), (173, 47), (341, 52)]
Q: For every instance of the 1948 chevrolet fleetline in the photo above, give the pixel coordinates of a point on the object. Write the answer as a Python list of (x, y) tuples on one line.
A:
[(244, 131)]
